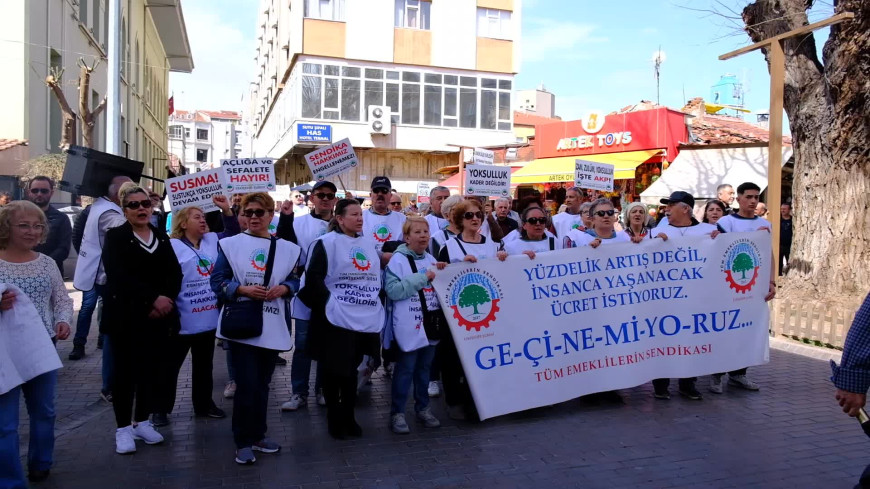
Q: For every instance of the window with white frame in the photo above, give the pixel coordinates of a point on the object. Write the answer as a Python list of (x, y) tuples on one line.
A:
[(494, 23), (413, 14), (187, 132), (176, 131), (202, 134), (325, 9)]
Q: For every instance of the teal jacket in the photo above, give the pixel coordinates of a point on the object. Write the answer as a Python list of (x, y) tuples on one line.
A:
[(401, 288)]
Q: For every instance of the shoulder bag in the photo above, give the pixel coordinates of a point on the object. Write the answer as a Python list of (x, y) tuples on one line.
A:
[(242, 320), (434, 322)]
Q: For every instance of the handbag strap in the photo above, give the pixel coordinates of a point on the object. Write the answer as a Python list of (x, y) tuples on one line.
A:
[(270, 262), (419, 292), (552, 243), (459, 242)]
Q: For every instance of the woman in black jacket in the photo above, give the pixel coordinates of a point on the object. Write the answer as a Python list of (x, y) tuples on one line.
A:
[(142, 279)]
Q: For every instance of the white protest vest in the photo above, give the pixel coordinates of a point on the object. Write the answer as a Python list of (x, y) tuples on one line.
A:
[(196, 302), (91, 251), (273, 224), (379, 229), (563, 223), (407, 317), (518, 246), (439, 240), (247, 256), (700, 229), (734, 223), (515, 235), (577, 238), (482, 251), (308, 229), (436, 224), (353, 279)]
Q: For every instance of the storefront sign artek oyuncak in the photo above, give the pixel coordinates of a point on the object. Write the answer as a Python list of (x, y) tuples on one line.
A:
[(593, 122)]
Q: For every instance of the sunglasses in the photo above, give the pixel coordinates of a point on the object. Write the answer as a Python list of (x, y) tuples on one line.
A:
[(611, 212), (397, 204), (534, 221), (382, 191), (254, 212), (35, 191), (472, 215), (324, 196), (145, 204)]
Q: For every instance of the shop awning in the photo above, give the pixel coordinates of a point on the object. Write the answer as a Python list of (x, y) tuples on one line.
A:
[(700, 170), (453, 182), (546, 170)]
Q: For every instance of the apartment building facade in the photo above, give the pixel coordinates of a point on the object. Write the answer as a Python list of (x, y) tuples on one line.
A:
[(201, 138), (409, 82)]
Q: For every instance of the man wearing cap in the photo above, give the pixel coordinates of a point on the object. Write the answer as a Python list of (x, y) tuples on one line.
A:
[(308, 228), (380, 224), (680, 223)]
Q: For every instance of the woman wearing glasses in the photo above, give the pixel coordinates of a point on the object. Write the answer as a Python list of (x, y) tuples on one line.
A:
[(602, 231), (533, 236), (143, 278), (22, 227), (342, 288), (239, 275), (469, 245), (196, 249)]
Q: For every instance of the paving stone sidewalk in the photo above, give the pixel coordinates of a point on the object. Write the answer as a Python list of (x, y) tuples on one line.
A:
[(791, 434)]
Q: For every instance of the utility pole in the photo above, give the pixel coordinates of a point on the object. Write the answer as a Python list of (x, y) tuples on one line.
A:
[(113, 72)]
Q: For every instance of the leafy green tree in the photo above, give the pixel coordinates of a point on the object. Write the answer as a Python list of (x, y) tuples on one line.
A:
[(473, 296), (742, 264), (361, 258)]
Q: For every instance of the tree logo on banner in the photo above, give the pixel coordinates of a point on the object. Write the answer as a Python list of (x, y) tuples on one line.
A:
[(258, 259), (473, 296), (204, 266), (359, 259), (740, 265), (382, 233)]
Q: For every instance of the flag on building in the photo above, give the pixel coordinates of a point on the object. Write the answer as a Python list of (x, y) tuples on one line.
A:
[(171, 104)]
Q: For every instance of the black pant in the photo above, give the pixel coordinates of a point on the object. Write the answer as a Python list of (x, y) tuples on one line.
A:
[(662, 384), (253, 367), (456, 391), (201, 348), (340, 393), (138, 365)]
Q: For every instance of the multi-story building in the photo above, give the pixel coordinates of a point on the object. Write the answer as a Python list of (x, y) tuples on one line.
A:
[(201, 138), (441, 72), (39, 35), (538, 101)]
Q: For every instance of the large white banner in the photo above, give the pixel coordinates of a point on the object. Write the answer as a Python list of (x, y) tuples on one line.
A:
[(572, 322)]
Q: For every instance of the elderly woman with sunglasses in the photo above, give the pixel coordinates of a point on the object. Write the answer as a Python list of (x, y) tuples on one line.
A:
[(469, 245), (533, 236), (143, 278), (602, 230)]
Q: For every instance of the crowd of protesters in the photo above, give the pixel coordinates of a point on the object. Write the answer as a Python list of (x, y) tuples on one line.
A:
[(349, 279)]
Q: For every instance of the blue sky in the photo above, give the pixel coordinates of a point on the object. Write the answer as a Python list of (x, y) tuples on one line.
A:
[(591, 54)]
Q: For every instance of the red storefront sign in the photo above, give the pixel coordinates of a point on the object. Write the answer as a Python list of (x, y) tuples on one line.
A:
[(598, 133)]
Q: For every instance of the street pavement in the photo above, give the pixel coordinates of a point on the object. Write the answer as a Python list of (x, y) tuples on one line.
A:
[(791, 434)]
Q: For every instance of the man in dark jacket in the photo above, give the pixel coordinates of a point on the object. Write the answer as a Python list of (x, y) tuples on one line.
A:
[(39, 191)]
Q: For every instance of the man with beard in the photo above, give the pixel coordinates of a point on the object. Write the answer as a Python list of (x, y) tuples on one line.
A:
[(39, 191)]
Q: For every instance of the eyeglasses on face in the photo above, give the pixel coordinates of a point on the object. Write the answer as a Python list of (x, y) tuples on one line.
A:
[(145, 204), (472, 215), (396, 204), (611, 212), (324, 196), (254, 212), (36, 191), (382, 191), (534, 221), (23, 227)]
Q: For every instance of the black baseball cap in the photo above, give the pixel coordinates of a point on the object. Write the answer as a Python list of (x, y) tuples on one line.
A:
[(325, 183), (381, 182), (680, 196)]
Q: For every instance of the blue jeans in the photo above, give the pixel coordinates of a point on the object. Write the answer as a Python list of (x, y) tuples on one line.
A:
[(412, 366), (300, 367), (39, 398), (83, 323)]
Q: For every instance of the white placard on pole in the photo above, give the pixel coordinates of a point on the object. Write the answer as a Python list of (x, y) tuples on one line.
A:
[(483, 156), (488, 180), (245, 175), (422, 192), (593, 176), (195, 189), (331, 160)]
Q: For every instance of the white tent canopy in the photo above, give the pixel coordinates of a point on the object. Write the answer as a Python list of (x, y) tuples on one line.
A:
[(700, 170)]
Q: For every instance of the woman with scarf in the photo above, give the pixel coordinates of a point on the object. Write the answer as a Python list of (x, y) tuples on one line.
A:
[(635, 218)]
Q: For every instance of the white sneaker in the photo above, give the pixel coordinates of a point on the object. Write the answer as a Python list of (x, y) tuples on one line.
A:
[(428, 419), (434, 389), (296, 401), (145, 431), (743, 382), (321, 399), (399, 425), (230, 389), (716, 383), (124, 442)]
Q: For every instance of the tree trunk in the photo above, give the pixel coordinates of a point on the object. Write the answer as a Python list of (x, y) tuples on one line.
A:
[(68, 132), (828, 108)]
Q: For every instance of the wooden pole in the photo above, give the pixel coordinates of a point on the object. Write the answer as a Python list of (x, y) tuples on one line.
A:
[(342, 185), (461, 170), (774, 148)]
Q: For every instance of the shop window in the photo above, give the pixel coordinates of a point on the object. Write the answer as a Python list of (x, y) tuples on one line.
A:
[(494, 23), (325, 9), (413, 14)]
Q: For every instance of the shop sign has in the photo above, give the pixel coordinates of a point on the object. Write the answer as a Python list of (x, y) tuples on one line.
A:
[(314, 133)]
